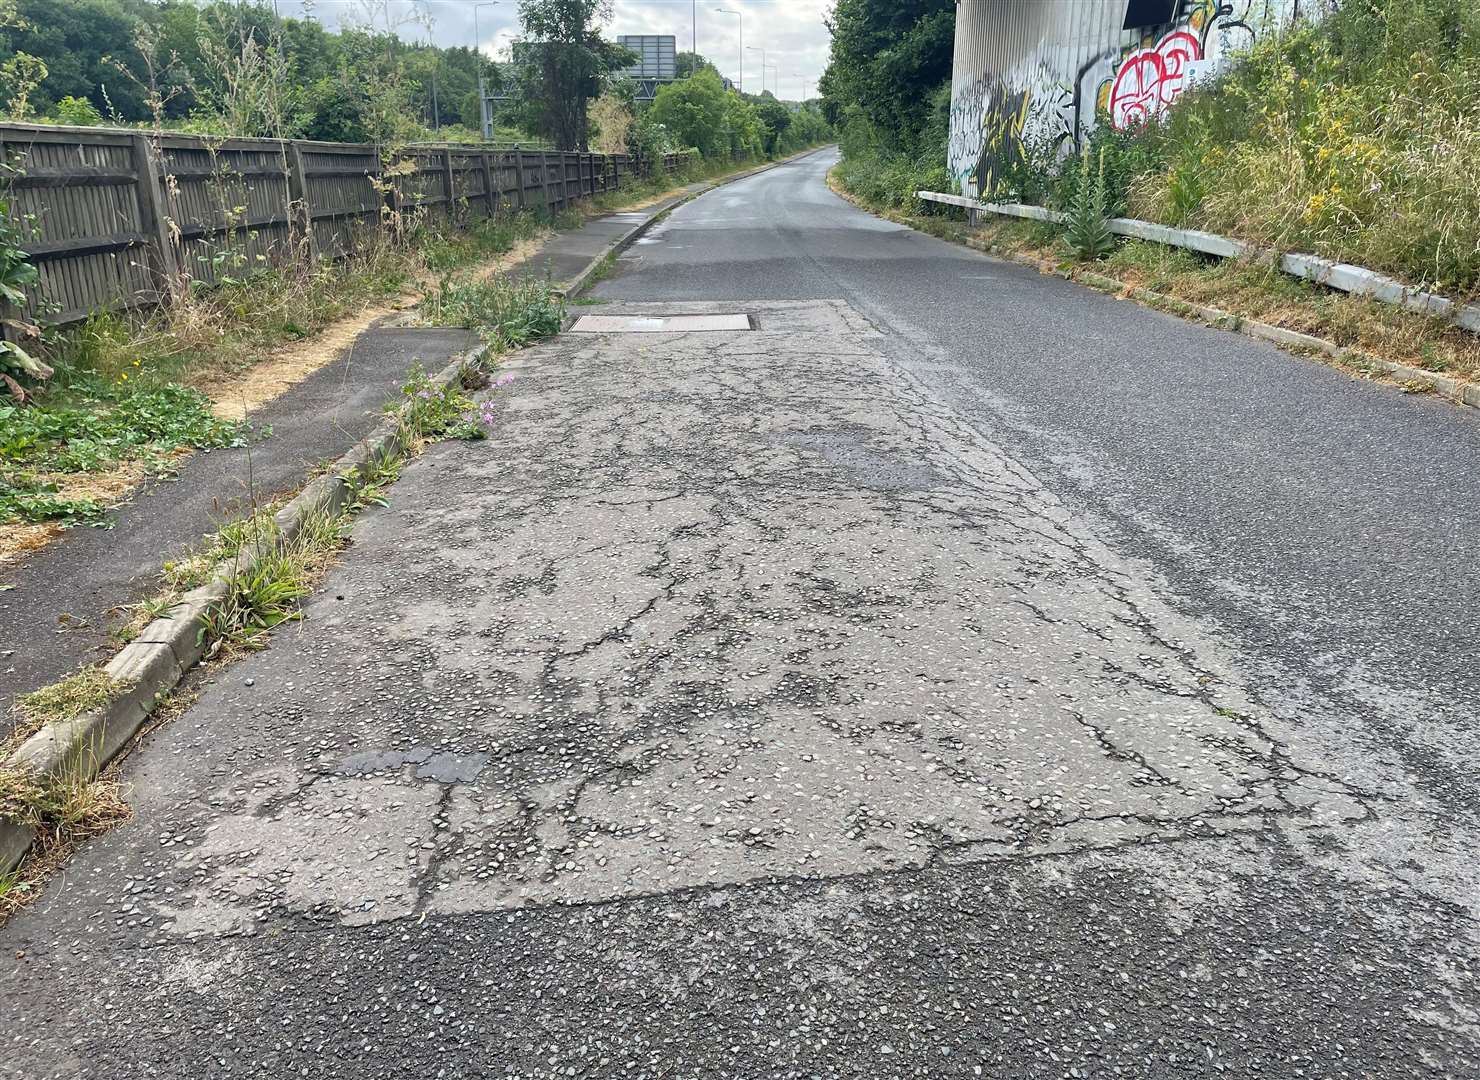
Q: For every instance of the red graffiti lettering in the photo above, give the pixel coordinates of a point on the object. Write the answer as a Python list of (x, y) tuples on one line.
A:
[(1151, 79)]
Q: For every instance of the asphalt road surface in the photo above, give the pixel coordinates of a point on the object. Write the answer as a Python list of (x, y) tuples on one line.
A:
[(960, 673)]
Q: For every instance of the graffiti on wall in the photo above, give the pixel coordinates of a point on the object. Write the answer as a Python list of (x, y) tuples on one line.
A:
[(1151, 79), (1003, 120), (1085, 71), (1040, 113)]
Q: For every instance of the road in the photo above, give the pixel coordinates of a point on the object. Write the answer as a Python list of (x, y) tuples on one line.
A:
[(960, 673)]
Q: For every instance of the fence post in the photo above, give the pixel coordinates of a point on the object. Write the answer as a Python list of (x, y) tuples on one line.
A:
[(298, 192), (390, 202), (519, 176), (545, 178), (449, 185), (147, 169), (489, 192)]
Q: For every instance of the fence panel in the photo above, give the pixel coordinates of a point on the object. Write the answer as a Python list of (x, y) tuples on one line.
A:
[(229, 202), (340, 193), (113, 216), (75, 196)]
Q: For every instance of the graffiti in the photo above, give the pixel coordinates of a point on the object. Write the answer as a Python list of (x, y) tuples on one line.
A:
[(1003, 119), (1151, 79), (964, 148), (1034, 77)]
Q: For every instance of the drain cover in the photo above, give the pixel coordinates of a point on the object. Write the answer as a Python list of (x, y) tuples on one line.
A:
[(657, 324)]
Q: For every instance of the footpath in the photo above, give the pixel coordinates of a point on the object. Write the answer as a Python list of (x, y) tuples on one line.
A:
[(740, 710), (60, 607)]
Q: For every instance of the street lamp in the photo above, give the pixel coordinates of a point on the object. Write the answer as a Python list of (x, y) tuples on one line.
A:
[(763, 66), (731, 11), (798, 75), (477, 37)]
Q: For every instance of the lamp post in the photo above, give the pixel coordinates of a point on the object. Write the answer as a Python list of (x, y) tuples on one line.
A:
[(732, 11), (762, 51)]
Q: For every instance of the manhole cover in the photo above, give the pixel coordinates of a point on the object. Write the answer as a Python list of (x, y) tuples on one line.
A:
[(657, 324)]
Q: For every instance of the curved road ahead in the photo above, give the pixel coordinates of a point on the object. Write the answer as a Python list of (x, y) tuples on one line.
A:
[(959, 673)]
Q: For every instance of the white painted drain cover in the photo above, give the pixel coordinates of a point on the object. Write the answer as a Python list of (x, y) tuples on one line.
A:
[(657, 324)]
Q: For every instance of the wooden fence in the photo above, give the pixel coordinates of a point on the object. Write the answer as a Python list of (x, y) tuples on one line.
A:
[(117, 215)]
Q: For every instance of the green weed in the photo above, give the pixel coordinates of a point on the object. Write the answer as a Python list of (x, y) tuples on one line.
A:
[(507, 311), (1088, 233)]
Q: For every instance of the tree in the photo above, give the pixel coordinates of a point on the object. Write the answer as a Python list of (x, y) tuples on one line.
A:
[(694, 112), (775, 116), (689, 62), (563, 62), (234, 66), (887, 58)]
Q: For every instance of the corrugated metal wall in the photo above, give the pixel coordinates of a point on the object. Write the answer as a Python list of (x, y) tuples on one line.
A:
[(1038, 75)]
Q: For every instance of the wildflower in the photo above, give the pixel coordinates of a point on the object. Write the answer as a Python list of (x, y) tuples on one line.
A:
[(505, 379)]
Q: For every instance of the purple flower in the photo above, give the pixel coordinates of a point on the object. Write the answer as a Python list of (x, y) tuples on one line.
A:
[(505, 379)]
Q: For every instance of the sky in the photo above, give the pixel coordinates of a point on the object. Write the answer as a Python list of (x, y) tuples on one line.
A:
[(790, 31)]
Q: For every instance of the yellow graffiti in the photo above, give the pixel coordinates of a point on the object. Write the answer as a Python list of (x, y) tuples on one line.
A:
[(1003, 122)]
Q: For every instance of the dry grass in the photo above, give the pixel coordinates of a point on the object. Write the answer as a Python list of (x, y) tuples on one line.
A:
[(237, 396), (61, 701), (19, 540), (1254, 291), (65, 811)]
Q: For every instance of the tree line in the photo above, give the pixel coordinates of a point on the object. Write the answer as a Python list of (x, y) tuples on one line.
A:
[(234, 68)]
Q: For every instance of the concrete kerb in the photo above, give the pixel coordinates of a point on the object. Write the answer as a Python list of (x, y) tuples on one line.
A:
[(153, 664), (578, 284), (1455, 390)]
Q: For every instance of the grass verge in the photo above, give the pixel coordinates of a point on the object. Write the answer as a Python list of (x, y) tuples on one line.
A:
[(1246, 289), (268, 577)]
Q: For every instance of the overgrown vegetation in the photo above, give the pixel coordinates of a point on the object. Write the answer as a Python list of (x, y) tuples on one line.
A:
[(137, 389), (65, 810), (887, 92), (1355, 135), (1245, 289), (507, 312)]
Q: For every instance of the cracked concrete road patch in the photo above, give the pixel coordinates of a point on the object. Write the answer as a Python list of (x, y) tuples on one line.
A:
[(739, 687)]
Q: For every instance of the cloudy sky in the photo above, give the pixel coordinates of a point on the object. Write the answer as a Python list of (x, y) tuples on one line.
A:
[(790, 31)]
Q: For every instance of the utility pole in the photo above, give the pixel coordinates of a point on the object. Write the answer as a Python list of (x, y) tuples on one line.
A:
[(694, 26), (731, 11), (762, 51)]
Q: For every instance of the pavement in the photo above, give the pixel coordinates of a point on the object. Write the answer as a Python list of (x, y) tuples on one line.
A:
[(68, 597), (79, 589), (566, 254), (762, 704)]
